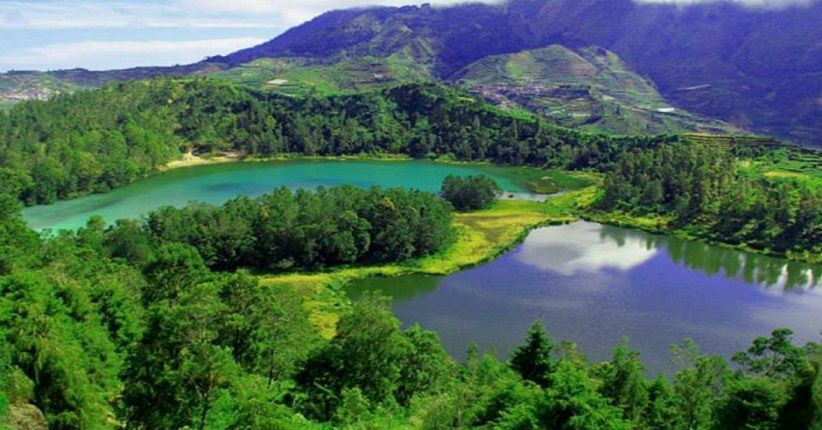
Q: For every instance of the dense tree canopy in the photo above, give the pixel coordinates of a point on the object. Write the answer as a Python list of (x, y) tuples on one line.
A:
[(289, 230), (470, 193), (698, 185), (96, 140), (99, 342), (147, 324)]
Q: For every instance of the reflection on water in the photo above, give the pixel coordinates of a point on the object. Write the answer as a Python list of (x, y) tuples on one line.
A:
[(752, 268), (594, 284), (582, 247), (590, 247)]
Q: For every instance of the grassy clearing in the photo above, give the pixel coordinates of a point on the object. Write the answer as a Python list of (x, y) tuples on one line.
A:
[(481, 236), (801, 166), (305, 76), (784, 174), (542, 181), (648, 223)]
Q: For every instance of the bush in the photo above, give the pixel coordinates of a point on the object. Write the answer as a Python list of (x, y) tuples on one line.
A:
[(470, 192)]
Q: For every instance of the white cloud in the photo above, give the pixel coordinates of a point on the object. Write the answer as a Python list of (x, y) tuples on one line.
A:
[(96, 14), (581, 247), (769, 4), (120, 54), (53, 14), (296, 12), (57, 34)]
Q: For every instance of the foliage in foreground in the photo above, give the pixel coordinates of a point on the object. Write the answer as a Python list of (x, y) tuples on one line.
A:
[(96, 343)]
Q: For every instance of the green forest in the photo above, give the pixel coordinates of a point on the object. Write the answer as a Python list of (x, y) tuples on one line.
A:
[(97, 339), (302, 230), (161, 323), (94, 141), (699, 187)]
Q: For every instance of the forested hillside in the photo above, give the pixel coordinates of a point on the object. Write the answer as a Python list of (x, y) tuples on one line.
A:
[(700, 188), (95, 340), (754, 67), (238, 315), (97, 140)]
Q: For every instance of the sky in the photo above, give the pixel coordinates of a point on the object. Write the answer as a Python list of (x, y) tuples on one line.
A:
[(108, 34)]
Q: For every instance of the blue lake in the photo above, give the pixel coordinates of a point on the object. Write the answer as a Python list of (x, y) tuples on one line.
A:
[(593, 284)]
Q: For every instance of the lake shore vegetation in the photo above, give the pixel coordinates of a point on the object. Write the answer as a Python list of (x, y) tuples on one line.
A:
[(94, 341), (94, 141)]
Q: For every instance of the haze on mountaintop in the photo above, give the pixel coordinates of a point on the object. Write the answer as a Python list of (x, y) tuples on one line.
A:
[(100, 35)]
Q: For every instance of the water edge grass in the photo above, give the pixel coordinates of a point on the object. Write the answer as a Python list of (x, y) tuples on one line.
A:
[(481, 236)]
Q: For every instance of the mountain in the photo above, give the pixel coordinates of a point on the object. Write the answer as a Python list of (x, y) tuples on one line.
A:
[(752, 67), (590, 88)]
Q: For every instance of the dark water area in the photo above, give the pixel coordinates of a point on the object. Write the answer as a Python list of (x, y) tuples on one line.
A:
[(593, 284)]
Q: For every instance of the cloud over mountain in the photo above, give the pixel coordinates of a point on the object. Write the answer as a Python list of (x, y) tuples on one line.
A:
[(769, 4)]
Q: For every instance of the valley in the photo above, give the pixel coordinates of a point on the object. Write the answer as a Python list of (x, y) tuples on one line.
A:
[(516, 215), (502, 243)]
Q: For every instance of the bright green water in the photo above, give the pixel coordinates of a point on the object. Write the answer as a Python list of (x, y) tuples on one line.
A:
[(218, 183)]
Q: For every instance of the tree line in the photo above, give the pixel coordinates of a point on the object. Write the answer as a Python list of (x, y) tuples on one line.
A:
[(301, 229), (699, 187), (470, 193), (93, 141), (97, 342)]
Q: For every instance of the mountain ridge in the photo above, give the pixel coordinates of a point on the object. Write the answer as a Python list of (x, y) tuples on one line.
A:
[(754, 68)]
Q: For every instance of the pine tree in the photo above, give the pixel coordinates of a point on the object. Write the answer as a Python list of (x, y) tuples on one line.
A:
[(533, 359)]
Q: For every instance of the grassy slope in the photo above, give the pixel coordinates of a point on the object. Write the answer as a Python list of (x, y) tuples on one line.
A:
[(590, 88), (301, 76), (803, 167)]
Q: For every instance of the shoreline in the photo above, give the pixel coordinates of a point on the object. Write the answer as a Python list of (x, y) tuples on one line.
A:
[(534, 180), (482, 236), (191, 160), (581, 211), (657, 226)]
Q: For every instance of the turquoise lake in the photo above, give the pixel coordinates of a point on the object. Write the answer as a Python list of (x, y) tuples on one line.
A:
[(220, 182), (589, 283)]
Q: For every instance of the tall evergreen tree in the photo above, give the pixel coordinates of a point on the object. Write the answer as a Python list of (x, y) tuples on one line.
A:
[(533, 360)]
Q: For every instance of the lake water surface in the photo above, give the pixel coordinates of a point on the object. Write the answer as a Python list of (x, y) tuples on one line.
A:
[(593, 284), (221, 182), (589, 283)]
